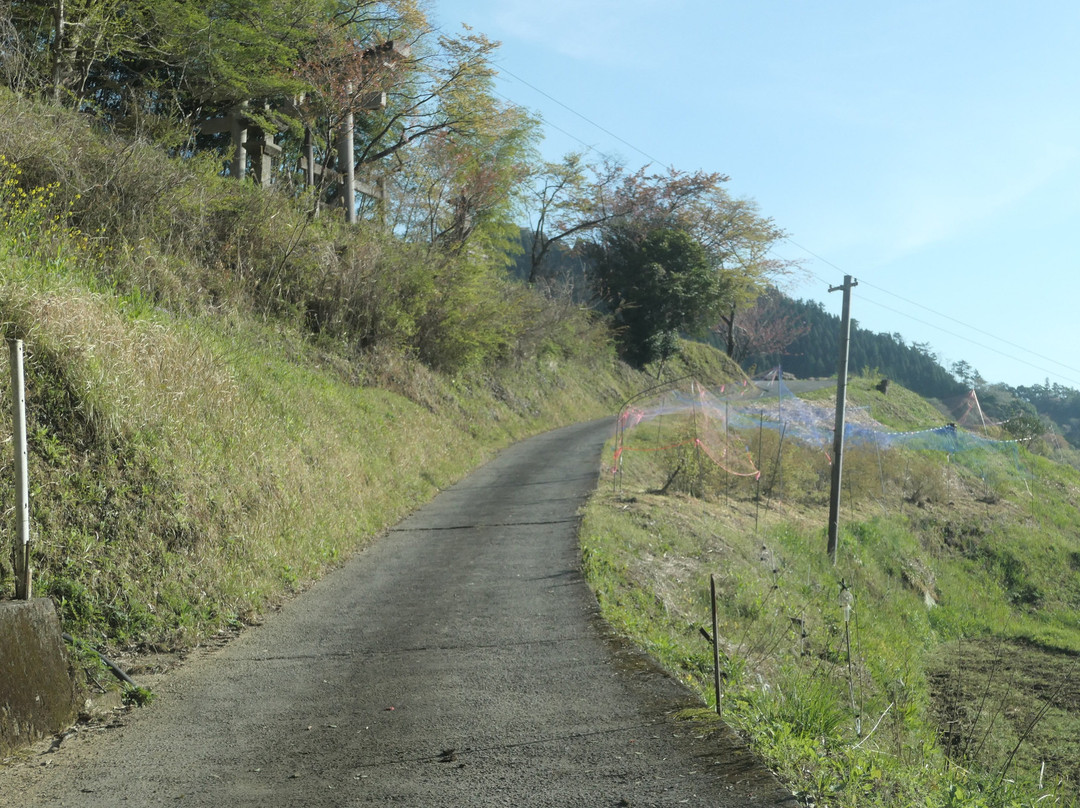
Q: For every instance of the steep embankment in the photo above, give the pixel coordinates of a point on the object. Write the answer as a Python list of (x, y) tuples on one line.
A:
[(225, 395)]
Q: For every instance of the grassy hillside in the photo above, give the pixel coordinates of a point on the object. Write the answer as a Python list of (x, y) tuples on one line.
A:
[(950, 679), (225, 396)]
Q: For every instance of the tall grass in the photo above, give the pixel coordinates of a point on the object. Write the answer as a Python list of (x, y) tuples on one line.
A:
[(189, 472)]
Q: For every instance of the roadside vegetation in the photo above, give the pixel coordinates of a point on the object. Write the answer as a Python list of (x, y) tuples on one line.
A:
[(231, 389), (198, 450), (239, 367), (935, 664)]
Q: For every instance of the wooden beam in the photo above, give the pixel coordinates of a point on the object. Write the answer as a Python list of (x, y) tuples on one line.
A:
[(373, 190), (217, 126), (267, 147), (373, 101)]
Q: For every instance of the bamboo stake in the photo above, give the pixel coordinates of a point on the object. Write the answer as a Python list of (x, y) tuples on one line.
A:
[(715, 645)]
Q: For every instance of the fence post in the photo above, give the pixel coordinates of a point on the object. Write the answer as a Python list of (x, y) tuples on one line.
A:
[(715, 644), (22, 501)]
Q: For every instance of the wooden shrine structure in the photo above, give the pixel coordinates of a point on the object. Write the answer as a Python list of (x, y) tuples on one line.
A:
[(251, 142)]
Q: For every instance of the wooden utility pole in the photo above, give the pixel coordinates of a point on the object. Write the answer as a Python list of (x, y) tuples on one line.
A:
[(838, 425)]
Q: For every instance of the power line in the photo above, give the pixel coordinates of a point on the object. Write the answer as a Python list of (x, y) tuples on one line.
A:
[(822, 259), (967, 339), (943, 316), (959, 322), (808, 251), (547, 123), (502, 69), (977, 330), (573, 111)]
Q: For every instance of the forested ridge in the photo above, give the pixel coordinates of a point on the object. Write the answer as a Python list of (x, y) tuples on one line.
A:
[(805, 345), (812, 351)]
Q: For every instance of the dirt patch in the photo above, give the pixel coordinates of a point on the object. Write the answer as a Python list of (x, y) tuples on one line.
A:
[(1010, 708)]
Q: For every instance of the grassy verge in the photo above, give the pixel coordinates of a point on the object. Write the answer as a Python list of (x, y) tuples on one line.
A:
[(934, 665), (186, 473)]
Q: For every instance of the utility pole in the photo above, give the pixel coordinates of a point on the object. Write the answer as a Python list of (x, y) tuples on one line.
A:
[(838, 425)]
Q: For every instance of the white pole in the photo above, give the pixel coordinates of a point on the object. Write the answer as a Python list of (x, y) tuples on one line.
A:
[(22, 499), (238, 168), (346, 164)]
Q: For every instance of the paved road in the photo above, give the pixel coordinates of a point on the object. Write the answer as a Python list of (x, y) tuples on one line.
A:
[(459, 661)]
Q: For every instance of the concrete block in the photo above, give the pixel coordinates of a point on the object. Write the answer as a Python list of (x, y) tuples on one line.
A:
[(38, 694)]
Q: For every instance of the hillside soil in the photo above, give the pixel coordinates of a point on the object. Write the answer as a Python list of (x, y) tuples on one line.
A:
[(995, 693)]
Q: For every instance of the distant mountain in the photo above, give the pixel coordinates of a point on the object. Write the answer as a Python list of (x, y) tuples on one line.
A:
[(815, 351), (809, 339)]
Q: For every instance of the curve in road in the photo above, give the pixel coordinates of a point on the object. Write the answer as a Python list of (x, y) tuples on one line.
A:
[(459, 661)]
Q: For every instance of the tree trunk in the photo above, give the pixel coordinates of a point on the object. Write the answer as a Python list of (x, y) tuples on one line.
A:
[(729, 321)]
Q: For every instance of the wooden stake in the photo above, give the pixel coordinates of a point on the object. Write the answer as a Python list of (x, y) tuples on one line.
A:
[(715, 645)]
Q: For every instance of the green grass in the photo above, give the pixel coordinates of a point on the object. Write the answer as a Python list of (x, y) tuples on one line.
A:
[(191, 470), (219, 410), (189, 473), (899, 409), (983, 560)]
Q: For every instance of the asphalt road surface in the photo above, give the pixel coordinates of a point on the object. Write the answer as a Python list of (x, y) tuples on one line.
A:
[(459, 661)]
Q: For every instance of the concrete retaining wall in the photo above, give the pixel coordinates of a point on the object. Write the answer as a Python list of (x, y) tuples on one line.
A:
[(38, 696)]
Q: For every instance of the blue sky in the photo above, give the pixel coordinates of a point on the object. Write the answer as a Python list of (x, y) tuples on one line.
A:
[(929, 149)]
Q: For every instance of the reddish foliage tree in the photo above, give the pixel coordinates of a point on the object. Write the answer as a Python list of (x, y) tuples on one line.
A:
[(762, 329)]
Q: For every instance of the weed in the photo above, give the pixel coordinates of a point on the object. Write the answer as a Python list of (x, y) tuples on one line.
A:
[(135, 696)]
